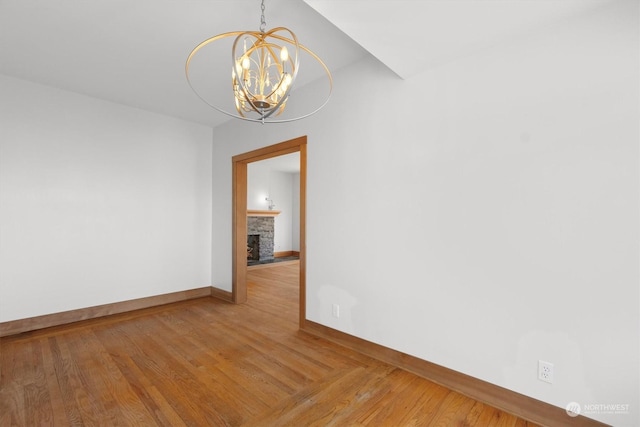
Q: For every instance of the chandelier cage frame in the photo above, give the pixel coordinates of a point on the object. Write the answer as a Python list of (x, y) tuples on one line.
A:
[(261, 54)]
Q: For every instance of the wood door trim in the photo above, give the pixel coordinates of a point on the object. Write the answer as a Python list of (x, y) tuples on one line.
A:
[(239, 226)]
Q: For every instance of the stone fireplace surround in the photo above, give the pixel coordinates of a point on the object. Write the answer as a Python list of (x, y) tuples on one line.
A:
[(262, 223)]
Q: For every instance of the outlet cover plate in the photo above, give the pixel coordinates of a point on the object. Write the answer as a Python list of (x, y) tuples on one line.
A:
[(545, 371)]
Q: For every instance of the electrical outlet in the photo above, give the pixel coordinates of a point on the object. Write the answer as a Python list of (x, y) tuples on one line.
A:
[(335, 310), (545, 371)]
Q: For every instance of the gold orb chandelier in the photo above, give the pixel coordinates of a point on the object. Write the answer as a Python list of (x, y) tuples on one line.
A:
[(264, 68)]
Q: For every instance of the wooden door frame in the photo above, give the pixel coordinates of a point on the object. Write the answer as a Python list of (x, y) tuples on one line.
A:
[(239, 227)]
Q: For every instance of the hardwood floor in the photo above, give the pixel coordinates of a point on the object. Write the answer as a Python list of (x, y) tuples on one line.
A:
[(205, 362)]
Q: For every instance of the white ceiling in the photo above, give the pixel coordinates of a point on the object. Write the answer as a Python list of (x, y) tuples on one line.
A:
[(410, 35), (133, 51)]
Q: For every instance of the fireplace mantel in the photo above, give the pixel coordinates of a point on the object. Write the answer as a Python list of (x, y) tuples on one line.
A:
[(262, 213)]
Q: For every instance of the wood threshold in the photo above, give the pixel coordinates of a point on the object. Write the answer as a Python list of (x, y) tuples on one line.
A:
[(19, 326), (272, 264), (510, 401)]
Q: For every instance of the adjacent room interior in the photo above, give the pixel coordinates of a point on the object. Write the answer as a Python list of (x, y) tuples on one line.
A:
[(273, 210)]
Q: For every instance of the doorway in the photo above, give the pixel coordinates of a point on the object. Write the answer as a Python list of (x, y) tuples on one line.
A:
[(239, 227)]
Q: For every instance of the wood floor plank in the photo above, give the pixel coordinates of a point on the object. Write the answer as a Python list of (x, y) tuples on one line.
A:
[(366, 394), (64, 373), (36, 393), (453, 410), (120, 400), (383, 394), (55, 393), (155, 403), (307, 407), (414, 404), (206, 362), (184, 390), (473, 417), (89, 373), (13, 377), (502, 419), (486, 416)]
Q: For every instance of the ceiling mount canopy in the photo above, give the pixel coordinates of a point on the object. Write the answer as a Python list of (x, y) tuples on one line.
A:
[(264, 67)]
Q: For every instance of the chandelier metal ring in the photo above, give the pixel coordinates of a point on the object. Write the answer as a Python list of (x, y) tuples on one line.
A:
[(256, 90)]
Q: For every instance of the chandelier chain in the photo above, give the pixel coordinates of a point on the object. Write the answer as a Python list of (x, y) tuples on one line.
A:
[(263, 22)]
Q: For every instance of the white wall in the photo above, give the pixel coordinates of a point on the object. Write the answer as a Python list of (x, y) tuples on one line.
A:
[(257, 186), (498, 199), (262, 181), (282, 194), (99, 202), (295, 223)]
